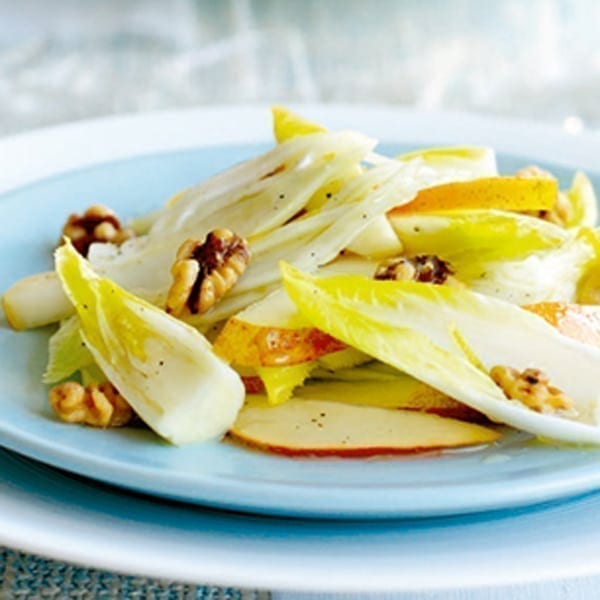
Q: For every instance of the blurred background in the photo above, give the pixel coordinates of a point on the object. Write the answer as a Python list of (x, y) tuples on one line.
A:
[(65, 59)]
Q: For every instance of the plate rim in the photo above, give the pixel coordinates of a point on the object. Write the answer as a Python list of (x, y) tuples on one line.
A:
[(154, 132)]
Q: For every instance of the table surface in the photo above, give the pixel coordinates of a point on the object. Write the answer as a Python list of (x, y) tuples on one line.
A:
[(58, 63)]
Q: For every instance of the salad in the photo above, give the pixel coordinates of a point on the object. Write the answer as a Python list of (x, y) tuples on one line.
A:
[(323, 299)]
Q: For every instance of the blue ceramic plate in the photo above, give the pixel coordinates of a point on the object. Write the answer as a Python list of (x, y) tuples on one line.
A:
[(133, 165)]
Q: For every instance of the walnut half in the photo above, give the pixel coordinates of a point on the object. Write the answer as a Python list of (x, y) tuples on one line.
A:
[(97, 224), (98, 404), (204, 272), (426, 268), (532, 387)]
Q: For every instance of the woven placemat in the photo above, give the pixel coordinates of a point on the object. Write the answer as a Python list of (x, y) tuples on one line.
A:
[(24, 576)]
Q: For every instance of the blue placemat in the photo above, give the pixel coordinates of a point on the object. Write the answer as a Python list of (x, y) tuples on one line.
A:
[(25, 576)]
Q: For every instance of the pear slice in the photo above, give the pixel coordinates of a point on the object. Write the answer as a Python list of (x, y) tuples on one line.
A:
[(577, 321), (271, 333), (401, 392), (303, 427), (500, 193), (452, 338)]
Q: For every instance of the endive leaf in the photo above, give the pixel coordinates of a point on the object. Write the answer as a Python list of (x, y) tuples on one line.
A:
[(280, 382), (478, 161), (260, 194), (548, 275), (165, 369), (471, 238), (287, 124), (317, 239), (584, 206), (506, 255), (409, 326), (67, 352)]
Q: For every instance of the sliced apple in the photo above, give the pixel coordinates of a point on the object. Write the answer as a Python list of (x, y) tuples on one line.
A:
[(501, 193), (303, 427)]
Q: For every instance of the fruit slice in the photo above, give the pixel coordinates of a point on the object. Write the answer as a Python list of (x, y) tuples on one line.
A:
[(249, 340), (413, 327), (253, 384), (402, 392), (251, 345), (21, 302), (351, 386), (577, 321), (165, 369), (321, 428), (270, 332), (501, 193)]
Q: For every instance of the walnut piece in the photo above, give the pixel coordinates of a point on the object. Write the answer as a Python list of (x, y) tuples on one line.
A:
[(98, 404), (204, 272), (97, 224), (562, 211), (532, 387), (425, 268)]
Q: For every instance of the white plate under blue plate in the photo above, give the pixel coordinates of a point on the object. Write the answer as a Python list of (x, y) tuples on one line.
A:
[(48, 512), (134, 165)]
